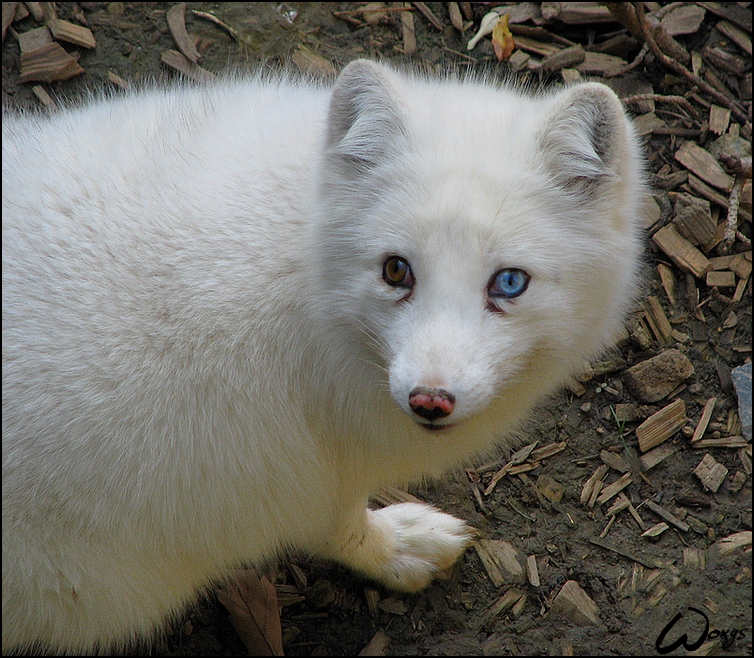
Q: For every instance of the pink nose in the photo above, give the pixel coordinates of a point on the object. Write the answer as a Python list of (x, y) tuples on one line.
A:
[(431, 403)]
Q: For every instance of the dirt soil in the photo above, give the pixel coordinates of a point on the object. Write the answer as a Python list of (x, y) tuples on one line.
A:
[(637, 592)]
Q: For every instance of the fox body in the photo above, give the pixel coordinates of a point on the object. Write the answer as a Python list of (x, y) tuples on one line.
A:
[(232, 313)]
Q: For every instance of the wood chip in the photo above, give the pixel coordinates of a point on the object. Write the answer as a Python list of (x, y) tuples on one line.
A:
[(71, 33), (685, 19), (550, 488), (505, 602), (732, 543), (548, 451), (253, 606), (613, 489), (309, 62), (684, 254), (741, 265), (428, 14), (409, 33), (393, 606), (616, 462), (373, 598), (43, 96), (574, 604), (662, 425), (565, 58), (118, 81), (456, 19), (724, 61), (723, 442), (589, 485), (711, 472), (537, 47), (736, 35), (600, 64), (571, 76), (731, 11), (392, 496), (695, 558), (654, 457), (532, 572), (668, 516), (722, 262), (658, 321), (9, 12), (176, 18), (628, 412), (502, 561), (693, 219), (704, 165), (701, 426), (723, 279), (656, 530), (621, 503), (36, 10), (377, 645), (647, 123), (34, 39), (48, 64), (184, 65), (577, 13), (719, 119)]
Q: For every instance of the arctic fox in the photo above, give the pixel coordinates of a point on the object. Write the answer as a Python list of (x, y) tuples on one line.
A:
[(232, 313)]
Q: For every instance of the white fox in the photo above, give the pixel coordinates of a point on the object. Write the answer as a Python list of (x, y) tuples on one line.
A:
[(232, 313)]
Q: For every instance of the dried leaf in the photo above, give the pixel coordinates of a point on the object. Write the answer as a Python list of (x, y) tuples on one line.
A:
[(253, 606), (502, 39)]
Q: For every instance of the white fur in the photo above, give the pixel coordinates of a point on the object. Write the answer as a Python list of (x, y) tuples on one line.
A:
[(202, 364)]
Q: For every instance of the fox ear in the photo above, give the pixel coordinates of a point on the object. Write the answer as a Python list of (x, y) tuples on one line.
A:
[(584, 137), (364, 124)]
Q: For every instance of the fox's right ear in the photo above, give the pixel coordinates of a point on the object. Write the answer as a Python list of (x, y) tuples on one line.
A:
[(584, 140), (364, 124)]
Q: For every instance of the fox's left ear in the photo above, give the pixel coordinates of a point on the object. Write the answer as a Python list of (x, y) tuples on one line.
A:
[(584, 137), (365, 125)]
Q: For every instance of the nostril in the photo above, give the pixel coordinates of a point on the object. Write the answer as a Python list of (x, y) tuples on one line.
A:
[(431, 403)]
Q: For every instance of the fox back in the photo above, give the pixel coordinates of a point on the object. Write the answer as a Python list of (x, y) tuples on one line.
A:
[(231, 313)]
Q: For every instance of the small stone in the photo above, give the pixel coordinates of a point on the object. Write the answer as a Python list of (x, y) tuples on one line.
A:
[(658, 377)]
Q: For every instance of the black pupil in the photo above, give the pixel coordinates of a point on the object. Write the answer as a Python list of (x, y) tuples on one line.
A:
[(396, 270)]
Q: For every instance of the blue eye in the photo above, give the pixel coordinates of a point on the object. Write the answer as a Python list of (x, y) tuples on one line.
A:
[(509, 283)]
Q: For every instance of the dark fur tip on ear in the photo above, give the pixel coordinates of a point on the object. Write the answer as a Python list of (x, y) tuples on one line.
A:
[(364, 122), (583, 137)]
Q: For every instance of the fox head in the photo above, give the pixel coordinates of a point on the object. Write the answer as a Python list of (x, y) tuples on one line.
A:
[(476, 244)]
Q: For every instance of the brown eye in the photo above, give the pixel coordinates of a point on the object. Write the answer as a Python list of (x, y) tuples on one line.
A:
[(397, 272)]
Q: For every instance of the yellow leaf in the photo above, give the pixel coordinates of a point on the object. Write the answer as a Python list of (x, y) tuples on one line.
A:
[(502, 39)]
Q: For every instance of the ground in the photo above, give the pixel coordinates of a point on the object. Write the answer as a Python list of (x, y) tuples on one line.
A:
[(458, 616)]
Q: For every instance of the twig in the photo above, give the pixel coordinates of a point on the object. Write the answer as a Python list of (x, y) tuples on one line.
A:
[(629, 67), (665, 10), (737, 165), (681, 69), (214, 19), (731, 223), (742, 168), (422, 7), (677, 100), (370, 10), (455, 52)]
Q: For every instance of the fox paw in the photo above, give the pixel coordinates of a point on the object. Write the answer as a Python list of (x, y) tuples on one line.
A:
[(425, 543)]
